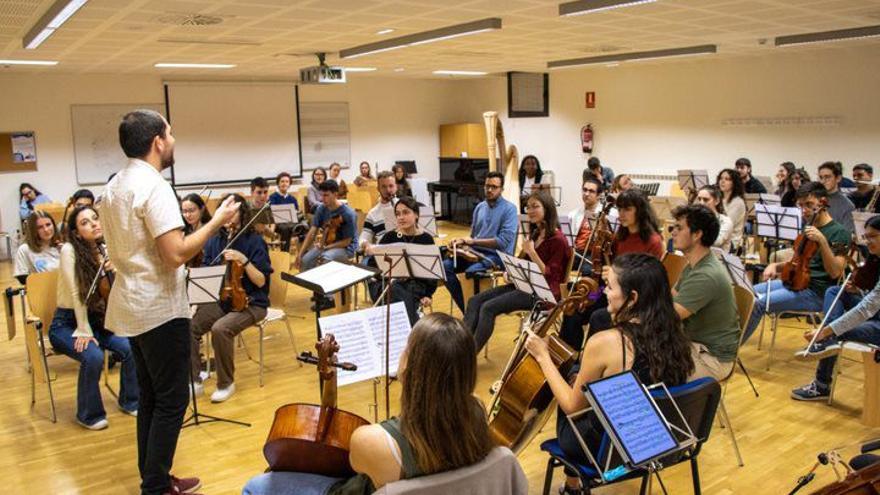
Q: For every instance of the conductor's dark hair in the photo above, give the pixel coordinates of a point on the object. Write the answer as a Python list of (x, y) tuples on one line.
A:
[(137, 131), (699, 219)]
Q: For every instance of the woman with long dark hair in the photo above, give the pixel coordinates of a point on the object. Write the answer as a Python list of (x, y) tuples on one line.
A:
[(400, 176), (647, 338), (783, 178), (225, 323), (442, 426), (796, 179), (77, 329), (194, 212), (82, 197), (29, 196), (365, 174), (335, 171), (40, 251), (531, 179), (711, 198), (547, 247), (731, 186)]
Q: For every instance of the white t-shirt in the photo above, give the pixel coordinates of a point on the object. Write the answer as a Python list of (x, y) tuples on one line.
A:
[(27, 261)]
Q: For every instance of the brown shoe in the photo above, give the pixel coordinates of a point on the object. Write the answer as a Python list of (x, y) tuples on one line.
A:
[(185, 485)]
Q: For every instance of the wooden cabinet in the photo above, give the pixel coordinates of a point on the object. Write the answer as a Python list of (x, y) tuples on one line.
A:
[(456, 139)]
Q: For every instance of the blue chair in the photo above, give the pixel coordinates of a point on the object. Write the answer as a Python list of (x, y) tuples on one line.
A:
[(697, 400)]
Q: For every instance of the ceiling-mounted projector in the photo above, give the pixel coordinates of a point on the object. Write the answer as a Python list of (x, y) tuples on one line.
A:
[(322, 73)]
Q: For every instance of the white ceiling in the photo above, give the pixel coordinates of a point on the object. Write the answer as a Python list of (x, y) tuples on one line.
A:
[(266, 38)]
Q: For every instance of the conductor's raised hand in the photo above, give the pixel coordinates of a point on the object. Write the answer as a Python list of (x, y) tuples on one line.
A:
[(224, 213)]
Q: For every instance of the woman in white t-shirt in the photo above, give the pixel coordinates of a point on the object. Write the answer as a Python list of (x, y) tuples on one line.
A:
[(733, 192), (531, 179), (710, 197), (40, 252)]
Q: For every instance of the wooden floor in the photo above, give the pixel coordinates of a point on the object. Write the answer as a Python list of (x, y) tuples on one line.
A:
[(779, 438)]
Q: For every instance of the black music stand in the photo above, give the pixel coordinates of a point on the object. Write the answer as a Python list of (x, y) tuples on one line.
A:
[(777, 223), (527, 277), (690, 181), (203, 286)]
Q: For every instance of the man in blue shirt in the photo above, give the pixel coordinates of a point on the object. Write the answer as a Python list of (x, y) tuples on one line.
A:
[(493, 228), (330, 216)]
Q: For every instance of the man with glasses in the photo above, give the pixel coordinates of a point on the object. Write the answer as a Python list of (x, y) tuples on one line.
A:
[(840, 208), (581, 217), (863, 175), (493, 227)]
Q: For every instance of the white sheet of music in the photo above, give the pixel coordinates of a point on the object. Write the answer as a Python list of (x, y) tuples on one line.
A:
[(425, 260), (204, 284), (332, 276), (283, 213), (788, 220), (361, 338), (428, 223)]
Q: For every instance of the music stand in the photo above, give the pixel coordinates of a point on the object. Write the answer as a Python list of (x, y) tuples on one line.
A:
[(284, 213), (525, 226), (568, 230), (690, 181), (203, 285), (777, 223), (428, 223), (404, 261), (527, 277)]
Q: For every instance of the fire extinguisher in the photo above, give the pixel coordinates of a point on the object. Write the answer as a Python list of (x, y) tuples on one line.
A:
[(587, 138)]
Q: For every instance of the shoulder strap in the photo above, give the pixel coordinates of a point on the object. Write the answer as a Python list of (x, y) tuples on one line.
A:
[(410, 468)]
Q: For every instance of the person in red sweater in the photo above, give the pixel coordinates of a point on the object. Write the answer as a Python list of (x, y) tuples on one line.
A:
[(547, 247)]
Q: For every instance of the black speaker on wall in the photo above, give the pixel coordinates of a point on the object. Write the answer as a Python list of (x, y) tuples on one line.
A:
[(528, 94)]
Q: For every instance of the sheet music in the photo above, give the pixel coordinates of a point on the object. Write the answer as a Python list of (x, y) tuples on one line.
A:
[(735, 268), (567, 230), (428, 223), (424, 260), (361, 337), (859, 219), (695, 179), (204, 284), (525, 275), (639, 427), (284, 213), (525, 227), (333, 275), (769, 217)]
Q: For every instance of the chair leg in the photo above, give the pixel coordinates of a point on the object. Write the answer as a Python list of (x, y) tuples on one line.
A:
[(261, 355), (548, 476), (242, 343), (643, 488), (761, 333), (773, 328), (292, 341), (749, 378), (48, 378), (107, 375), (695, 475), (834, 374), (726, 420)]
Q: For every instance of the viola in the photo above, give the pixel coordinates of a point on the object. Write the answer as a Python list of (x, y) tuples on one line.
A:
[(795, 273), (309, 438), (331, 229), (523, 399), (233, 297)]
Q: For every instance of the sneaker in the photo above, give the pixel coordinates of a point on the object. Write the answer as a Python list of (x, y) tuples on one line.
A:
[(811, 391), (133, 412), (820, 349), (199, 388), (97, 425), (203, 375), (185, 485), (221, 394)]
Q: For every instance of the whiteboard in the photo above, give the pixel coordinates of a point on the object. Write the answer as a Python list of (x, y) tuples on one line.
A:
[(232, 131), (96, 140), (325, 134)]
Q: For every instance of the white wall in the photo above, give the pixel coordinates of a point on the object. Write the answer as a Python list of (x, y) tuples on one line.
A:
[(665, 116), (390, 120)]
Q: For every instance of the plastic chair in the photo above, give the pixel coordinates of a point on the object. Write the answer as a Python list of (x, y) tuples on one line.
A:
[(698, 400), (41, 289), (277, 298)]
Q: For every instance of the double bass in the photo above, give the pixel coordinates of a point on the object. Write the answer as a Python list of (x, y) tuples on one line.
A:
[(523, 399), (309, 438)]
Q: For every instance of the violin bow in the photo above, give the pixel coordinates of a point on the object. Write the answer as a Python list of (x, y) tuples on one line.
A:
[(98, 275), (240, 231)]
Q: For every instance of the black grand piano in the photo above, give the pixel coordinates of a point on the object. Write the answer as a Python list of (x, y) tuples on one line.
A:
[(460, 187)]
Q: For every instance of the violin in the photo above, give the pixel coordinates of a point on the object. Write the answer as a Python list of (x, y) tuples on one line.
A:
[(308, 438), (331, 229), (864, 276), (233, 297), (795, 273), (522, 402)]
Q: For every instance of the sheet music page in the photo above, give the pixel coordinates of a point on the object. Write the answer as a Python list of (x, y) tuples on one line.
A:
[(567, 230), (525, 226), (332, 276), (428, 223), (399, 333), (788, 220), (424, 260), (735, 268), (356, 345), (283, 213), (204, 284)]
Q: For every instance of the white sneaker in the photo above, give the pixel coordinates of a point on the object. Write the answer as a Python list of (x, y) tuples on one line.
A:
[(203, 375), (221, 394), (97, 425), (133, 413), (200, 389)]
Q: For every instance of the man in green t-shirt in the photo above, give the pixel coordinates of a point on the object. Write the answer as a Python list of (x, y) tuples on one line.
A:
[(703, 296), (826, 266)]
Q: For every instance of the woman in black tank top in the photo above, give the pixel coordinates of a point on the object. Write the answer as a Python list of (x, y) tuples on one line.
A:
[(647, 338)]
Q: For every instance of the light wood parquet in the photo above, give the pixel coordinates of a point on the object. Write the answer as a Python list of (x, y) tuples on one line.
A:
[(779, 438)]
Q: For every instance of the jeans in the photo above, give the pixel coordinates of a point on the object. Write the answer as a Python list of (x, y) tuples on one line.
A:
[(89, 405), (866, 333), (288, 483), (162, 358), (452, 284), (310, 259), (847, 301), (487, 305), (781, 299)]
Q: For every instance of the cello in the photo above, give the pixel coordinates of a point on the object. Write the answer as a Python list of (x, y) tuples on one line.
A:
[(309, 438), (523, 400)]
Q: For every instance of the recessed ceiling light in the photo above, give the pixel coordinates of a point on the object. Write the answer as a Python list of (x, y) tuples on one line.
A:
[(431, 36), (622, 57), (360, 69), (827, 36), (581, 7), (58, 14), (28, 62), (460, 73), (193, 66), (385, 31)]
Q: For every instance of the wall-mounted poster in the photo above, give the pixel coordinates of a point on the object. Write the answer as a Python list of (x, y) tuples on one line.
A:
[(24, 147)]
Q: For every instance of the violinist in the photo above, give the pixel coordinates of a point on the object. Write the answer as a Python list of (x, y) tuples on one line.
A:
[(860, 323), (195, 216), (339, 241), (825, 266), (547, 247), (40, 251), (581, 217), (442, 426), (638, 233), (646, 337), (77, 329), (250, 251)]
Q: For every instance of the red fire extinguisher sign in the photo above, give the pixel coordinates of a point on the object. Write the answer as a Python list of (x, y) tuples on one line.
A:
[(591, 99)]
